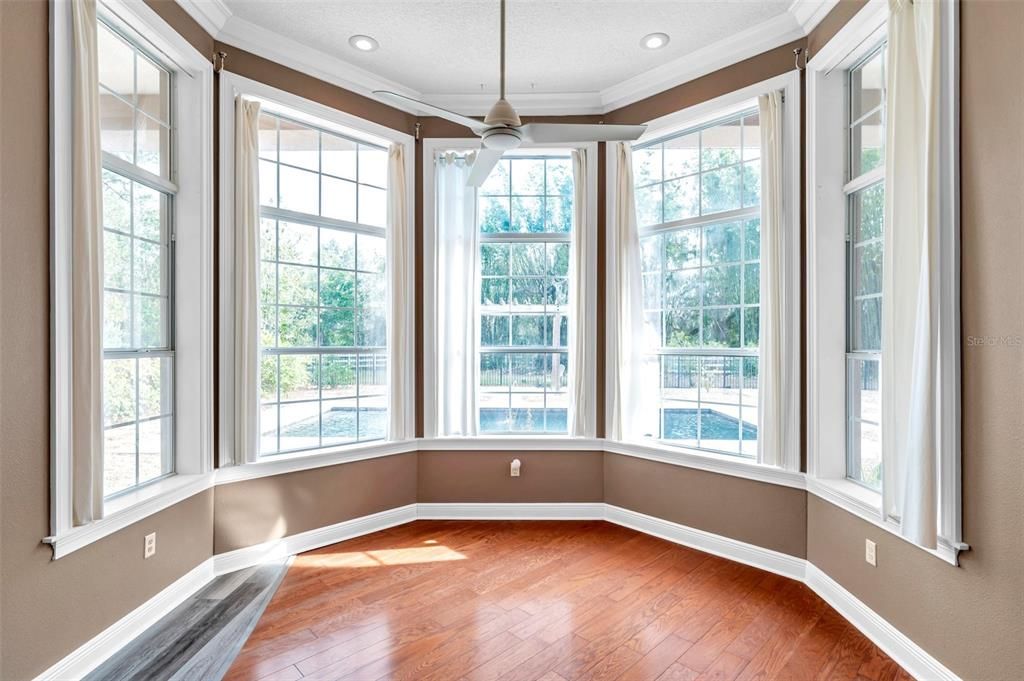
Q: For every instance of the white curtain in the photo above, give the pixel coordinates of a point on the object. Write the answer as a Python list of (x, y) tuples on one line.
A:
[(247, 281), (630, 371), (86, 273), (771, 403), (400, 291), (456, 295), (581, 398), (910, 288)]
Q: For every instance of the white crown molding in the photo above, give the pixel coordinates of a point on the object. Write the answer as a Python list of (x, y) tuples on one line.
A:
[(295, 55), (527, 103), (210, 14), (800, 18), (809, 13), (748, 43), (912, 657), (102, 646)]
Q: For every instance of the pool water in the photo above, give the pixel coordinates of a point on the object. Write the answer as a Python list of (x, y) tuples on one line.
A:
[(680, 424)]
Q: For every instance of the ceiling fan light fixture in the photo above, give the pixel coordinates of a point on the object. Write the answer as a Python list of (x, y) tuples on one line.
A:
[(654, 41), (363, 43)]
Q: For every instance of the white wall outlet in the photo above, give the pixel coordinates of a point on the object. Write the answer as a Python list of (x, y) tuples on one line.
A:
[(149, 547), (869, 552), (514, 468)]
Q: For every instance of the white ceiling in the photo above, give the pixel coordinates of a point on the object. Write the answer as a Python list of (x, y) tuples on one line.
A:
[(554, 46), (564, 56)]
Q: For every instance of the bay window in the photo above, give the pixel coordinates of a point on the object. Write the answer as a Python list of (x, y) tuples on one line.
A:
[(865, 196), (524, 217), (698, 213), (323, 312)]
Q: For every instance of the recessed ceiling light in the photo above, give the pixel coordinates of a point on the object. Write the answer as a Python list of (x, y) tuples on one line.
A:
[(363, 43), (654, 41)]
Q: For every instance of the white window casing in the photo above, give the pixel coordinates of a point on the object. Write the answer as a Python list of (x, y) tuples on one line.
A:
[(192, 229), (828, 186), (278, 102), (692, 118)]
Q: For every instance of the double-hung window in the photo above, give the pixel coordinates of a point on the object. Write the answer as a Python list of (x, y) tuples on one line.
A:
[(697, 198), (138, 255), (525, 222), (136, 379), (865, 198), (323, 300)]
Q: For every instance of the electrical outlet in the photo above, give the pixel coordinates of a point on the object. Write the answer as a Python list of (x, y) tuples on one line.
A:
[(149, 547), (869, 553), (514, 468)]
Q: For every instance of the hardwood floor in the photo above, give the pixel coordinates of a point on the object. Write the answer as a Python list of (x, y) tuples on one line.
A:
[(545, 601)]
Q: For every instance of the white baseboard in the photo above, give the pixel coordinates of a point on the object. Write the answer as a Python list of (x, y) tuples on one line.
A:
[(912, 657), (733, 549), (312, 539), (898, 646), (98, 649), (568, 511)]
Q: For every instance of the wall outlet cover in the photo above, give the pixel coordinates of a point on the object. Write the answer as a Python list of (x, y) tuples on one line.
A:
[(149, 547), (870, 555)]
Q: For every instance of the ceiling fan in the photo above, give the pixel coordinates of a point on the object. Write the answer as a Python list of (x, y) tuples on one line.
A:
[(502, 130)]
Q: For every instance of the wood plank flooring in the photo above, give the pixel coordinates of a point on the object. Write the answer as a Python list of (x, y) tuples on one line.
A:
[(544, 601)]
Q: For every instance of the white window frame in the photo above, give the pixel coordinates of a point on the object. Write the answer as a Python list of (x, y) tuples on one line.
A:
[(827, 215), (318, 115), (431, 147), (695, 117), (193, 275)]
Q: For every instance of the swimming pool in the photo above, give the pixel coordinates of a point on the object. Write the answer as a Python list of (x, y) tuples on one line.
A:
[(680, 424)]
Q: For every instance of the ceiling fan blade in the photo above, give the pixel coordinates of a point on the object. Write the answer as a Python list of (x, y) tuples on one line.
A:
[(557, 133), (485, 161), (471, 123)]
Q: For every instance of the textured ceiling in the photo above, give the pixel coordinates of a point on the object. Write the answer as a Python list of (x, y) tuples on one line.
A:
[(554, 46)]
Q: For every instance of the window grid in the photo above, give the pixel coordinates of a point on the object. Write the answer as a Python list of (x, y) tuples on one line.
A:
[(342, 354), (528, 370), (704, 169), (864, 205), (138, 287), (706, 383)]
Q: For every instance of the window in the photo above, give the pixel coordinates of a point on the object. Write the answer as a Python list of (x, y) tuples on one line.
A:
[(324, 367), (698, 211), (865, 196), (138, 251), (525, 219)]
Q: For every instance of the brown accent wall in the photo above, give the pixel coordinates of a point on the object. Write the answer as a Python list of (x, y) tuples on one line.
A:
[(723, 81), (254, 511), (830, 25), (483, 476), (187, 27), (970, 618), (48, 608), (759, 513)]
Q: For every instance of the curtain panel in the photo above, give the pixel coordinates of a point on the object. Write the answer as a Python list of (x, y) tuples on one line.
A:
[(247, 281), (910, 286), (86, 272), (455, 288)]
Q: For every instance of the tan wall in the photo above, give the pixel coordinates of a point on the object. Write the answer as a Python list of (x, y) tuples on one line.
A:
[(971, 618), (466, 476), (48, 608), (759, 513), (262, 509)]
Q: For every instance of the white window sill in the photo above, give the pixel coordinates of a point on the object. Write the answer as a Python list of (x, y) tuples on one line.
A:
[(129, 508), (866, 504), (278, 464), (540, 442), (654, 450)]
